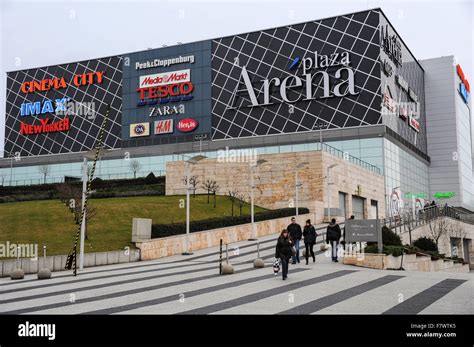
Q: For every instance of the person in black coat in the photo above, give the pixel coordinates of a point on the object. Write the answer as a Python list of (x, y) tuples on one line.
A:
[(309, 234), (333, 234), (294, 229), (283, 252)]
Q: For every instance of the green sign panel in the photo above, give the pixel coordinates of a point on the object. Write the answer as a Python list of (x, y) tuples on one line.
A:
[(444, 195)]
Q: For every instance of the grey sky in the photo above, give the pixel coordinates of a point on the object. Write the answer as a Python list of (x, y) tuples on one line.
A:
[(41, 33)]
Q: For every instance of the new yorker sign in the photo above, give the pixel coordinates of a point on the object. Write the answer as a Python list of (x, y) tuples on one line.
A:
[(314, 77)]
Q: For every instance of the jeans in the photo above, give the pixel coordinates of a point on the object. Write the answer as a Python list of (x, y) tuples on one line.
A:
[(284, 267), (334, 249), (309, 249), (296, 258)]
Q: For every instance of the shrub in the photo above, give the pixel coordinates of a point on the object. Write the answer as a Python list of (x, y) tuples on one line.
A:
[(396, 251), (151, 178), (163, 230), (389, 238), (426, 244)]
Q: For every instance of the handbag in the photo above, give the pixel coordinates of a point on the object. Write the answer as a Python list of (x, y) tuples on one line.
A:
[(293, 251), (276, 267)]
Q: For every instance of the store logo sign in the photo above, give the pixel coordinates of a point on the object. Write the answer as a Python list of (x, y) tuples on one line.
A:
[(139, 129), (464, 87), (391, 45), (165, 78), (187, 125), (166, 110), (387, 68), (164, 126), (164, 62), (45, 127), (415, 124), (401, 82)]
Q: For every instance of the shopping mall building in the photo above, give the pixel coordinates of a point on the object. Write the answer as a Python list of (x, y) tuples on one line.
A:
[(344, 90)]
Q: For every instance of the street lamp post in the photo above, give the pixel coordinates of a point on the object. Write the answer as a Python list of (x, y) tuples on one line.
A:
[(328, 193), (253, 165), (85, 178), (297, 185), (83, 224), (192, 160)]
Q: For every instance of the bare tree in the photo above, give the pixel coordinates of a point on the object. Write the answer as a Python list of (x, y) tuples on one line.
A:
[(214, 189), (437, 228), (135, 166), (207, 186), (193, 182), (44, 170), (232, 195)]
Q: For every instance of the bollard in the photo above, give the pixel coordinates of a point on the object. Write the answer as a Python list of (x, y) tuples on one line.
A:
[(44, 273), (220, 258), (227, 269), (17, 273), (258, 263)]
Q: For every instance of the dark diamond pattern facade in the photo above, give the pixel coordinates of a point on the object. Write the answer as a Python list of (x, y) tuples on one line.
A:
[(84, 130), (267, 54)]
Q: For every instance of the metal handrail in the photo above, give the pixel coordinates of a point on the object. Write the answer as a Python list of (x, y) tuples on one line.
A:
[(407, 220)]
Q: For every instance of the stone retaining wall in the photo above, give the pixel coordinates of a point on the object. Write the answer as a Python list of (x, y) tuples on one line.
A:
[(411, 262), (57, 262), (172, 245)]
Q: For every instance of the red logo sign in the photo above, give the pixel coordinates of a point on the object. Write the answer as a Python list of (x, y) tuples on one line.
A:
[(164, 91), (414, 124), (44, 127), (187, 125), (463, 78)]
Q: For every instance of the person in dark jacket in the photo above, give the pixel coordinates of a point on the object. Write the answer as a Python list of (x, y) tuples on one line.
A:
[(344, 235), (294, 230), (333, 234), (283, 252), (309, 234)]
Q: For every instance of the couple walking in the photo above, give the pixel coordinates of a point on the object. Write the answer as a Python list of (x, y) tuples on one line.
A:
[(288, 244)]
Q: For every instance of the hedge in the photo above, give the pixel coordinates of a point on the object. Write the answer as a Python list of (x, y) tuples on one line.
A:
[(163, 230)]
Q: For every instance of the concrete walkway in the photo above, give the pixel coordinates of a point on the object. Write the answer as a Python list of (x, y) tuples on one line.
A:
[(192, 285)]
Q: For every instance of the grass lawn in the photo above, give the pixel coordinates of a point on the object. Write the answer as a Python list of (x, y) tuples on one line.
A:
[(50, 222)]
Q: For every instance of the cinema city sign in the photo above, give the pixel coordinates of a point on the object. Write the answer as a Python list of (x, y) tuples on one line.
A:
[(332, 86)]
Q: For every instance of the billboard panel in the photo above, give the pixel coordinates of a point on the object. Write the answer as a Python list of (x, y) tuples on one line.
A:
[(59, 109), (297, 78), (170, 88)]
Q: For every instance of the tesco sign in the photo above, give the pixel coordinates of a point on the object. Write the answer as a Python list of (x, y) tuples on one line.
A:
[(187, 125)]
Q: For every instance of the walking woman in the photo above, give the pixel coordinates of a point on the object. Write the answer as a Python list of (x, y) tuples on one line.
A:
[(283, 251), (309, 234)]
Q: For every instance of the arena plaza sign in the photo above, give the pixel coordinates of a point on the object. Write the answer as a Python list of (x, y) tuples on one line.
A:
[(342, 84)]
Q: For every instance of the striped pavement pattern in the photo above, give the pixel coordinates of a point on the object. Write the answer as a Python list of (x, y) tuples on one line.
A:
[(191, 285)]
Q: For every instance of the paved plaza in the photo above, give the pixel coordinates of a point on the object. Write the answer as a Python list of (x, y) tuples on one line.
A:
[(192, 285)]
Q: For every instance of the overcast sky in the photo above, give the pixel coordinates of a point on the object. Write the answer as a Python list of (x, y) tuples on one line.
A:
[(41, 33)]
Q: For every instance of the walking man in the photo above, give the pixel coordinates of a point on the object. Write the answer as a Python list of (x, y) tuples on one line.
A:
[(309, 234), (333, 234), (294, 229)]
